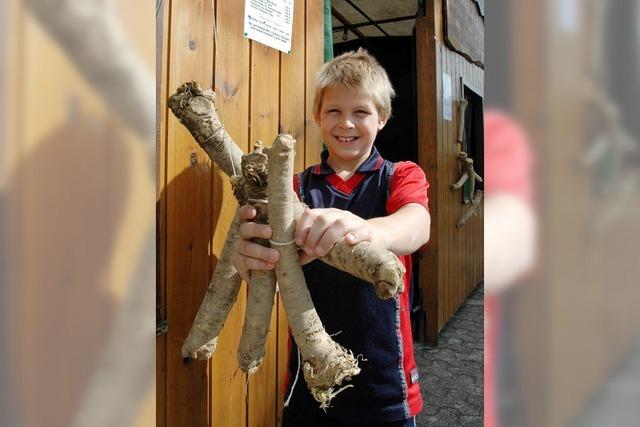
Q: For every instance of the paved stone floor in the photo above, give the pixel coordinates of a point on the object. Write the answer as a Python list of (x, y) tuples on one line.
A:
[(451, 375)]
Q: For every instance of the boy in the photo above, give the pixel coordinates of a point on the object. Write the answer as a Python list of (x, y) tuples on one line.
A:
[(354, 194)]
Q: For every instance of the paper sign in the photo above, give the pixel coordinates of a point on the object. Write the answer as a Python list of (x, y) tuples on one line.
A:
[(446, 97), (269, 22)]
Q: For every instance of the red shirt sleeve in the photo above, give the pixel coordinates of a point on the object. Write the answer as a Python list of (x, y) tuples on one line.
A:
[(508, 159), (408, 185), (296, 184)]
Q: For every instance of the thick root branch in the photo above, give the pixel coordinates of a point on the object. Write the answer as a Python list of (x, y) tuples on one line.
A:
[(262, 285), (195, 108), (326, 364), (262, 290), (220, 297), (201, 342), (324, 377), (366, 261)]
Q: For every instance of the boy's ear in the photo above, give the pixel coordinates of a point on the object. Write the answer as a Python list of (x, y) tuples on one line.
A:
[(381, 123)]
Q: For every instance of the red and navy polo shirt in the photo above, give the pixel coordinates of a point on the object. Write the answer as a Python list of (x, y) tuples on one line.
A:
[(379, 331)]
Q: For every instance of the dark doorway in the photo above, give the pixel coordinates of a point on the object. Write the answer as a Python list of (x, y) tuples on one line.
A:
[(473, 139), (398, 140)]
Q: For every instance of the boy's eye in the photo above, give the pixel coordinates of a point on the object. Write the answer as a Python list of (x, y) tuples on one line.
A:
[(362, 112)]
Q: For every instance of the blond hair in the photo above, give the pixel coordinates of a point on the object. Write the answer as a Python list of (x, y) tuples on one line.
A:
[(359, 71)]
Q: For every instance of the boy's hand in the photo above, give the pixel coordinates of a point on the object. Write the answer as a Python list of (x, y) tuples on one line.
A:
[(248, 255), (318, 230)]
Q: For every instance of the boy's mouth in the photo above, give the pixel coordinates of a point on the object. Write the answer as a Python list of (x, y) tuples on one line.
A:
[(346, 139)]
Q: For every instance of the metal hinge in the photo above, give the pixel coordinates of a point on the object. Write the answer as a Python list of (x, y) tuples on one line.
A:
[(162, 327)]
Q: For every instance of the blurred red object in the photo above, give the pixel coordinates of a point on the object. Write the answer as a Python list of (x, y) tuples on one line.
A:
[(508, 171)]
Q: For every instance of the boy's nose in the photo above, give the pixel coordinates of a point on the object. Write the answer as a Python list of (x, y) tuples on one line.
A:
[(347, 123)]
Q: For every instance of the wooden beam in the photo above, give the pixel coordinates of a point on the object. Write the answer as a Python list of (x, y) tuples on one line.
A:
[(427, 93), (367, 17), (347, 24), (382, 21)]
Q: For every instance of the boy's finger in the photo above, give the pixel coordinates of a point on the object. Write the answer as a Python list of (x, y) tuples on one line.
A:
[(254, 250), (238, 263), (358, 235), (251, 230), (313, 238), (303, 225), (257, 264), (301, 237), (329, 238), (351, 239), (247, 212)]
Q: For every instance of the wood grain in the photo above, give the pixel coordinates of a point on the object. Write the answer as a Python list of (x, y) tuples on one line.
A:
[(256, 100), (161, 219), (264, 117), (427, 158), (292, 121), (314, 52), (228, 399), (189, 207), (451, 263)]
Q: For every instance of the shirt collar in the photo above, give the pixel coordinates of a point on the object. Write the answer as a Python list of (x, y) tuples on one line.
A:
[(373, 163)]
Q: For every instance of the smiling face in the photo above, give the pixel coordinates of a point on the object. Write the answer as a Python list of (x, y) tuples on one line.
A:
[(349, 122)]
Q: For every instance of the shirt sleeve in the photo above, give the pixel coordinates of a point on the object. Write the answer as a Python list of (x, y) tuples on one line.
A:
[(408, 185), (296, 184)]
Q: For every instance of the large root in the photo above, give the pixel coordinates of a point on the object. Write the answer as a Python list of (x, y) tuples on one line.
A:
[(325, 364), (194, 107)]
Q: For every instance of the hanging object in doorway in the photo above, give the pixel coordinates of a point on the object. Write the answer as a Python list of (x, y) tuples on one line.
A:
[(471, 210), (462, 108), (466, 165)]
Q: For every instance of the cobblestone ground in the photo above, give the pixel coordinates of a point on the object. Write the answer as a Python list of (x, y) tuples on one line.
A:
[(451, 375)]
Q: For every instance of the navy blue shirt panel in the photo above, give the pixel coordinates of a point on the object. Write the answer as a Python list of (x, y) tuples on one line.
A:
[(349, 308)]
